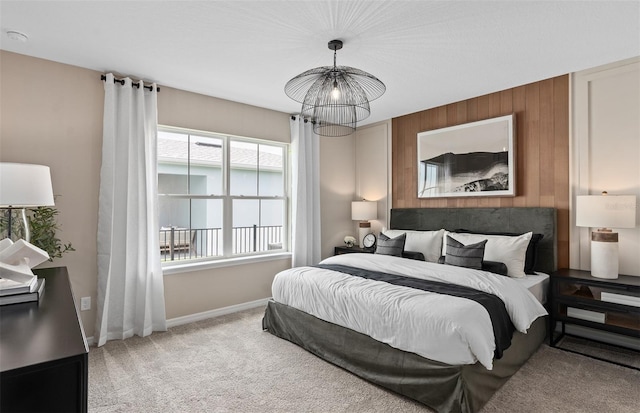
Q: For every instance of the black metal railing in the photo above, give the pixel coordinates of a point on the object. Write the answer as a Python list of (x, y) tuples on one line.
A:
[(184, 243), (255, 238)]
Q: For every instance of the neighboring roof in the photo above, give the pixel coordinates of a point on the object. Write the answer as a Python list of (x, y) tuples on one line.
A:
[(175, 151)]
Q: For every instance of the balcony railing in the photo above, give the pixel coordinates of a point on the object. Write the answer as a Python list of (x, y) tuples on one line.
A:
[(183, 243)]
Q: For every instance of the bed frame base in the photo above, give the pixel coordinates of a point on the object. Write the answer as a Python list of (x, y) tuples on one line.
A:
[(443, 387)]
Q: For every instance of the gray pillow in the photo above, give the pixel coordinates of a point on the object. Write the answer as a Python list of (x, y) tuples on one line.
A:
[(469, 256), (391, 246)]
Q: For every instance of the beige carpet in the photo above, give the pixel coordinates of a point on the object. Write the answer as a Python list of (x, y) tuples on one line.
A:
[(228, 364)]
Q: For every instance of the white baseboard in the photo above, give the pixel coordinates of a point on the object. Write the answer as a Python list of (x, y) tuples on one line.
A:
[(178, 321), (216, 313)]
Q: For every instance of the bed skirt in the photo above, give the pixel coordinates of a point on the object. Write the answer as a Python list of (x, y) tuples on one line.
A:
[(443, 387)]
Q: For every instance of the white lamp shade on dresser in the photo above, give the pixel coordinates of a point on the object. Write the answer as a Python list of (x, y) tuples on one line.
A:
[(25, 185), (604, 212)]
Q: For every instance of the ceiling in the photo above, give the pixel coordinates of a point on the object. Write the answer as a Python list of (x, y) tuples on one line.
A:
[(428, 53)]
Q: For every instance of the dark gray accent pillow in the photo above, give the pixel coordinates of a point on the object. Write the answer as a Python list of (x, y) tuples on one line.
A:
[(413, 255), (391, 246), (469, 256), (495, 267)]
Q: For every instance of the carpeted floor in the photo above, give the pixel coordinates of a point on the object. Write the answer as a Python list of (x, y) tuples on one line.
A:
[(614, 353), (228, 364)]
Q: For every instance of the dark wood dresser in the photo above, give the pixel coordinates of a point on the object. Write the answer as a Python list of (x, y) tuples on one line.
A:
[(43, 351)]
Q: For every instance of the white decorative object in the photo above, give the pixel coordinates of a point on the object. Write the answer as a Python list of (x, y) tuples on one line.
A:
[(17, 259), (349, 241), (604, 212), (363, 211)]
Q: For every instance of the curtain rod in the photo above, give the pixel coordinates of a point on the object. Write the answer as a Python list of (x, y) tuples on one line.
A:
[(293, 117), (121, 81)]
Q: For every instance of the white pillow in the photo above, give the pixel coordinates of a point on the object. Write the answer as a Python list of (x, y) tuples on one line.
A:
[(429, 243), (511, 251)]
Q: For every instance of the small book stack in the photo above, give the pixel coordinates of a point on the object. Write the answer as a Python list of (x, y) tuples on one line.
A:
[(12, 292)]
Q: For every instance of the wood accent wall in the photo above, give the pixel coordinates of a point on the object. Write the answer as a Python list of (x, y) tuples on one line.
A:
[(542, 144)]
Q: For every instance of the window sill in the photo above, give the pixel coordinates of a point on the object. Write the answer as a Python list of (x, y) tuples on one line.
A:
[(228, 262)]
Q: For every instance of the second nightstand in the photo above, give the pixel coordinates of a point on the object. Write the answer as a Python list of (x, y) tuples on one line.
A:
[(611, 305)]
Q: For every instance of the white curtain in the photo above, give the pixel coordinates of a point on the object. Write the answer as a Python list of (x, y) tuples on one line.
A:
[(305, 151), (130, 286)]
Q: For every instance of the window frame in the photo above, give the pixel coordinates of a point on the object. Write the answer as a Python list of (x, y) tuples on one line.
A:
[(228, 257)]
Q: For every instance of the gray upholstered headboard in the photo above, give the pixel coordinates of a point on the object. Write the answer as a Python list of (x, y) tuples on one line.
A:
[(516, 220)]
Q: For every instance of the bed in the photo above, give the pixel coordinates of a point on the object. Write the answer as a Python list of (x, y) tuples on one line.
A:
[(459, 380)]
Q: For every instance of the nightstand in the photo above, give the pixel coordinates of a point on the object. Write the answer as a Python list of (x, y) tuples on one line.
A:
[(352, 250), (611, 305)]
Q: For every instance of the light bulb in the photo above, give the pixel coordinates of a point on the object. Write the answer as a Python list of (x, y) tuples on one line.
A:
[(335, 93)]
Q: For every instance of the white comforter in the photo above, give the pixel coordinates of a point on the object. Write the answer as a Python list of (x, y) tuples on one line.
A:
[(439, 327)]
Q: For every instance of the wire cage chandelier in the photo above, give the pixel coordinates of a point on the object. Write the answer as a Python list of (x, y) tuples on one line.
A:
[(335, 97)]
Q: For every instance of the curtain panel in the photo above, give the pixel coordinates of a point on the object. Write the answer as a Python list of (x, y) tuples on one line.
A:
[(130, 285), (305, 151)]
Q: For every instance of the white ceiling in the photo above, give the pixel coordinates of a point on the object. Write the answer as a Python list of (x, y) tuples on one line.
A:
[(428, 53)]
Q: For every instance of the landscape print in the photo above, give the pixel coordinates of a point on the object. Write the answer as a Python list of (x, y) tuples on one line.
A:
[(474, 159)]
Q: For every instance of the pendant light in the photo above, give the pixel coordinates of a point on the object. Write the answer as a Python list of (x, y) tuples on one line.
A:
[(335, 97)]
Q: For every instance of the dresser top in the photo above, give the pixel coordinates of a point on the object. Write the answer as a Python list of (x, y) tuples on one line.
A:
[(33, 333)]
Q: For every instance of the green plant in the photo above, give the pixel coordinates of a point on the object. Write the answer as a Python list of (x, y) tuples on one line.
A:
[(43, 225)]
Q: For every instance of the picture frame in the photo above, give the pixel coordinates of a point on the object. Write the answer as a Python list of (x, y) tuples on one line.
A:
[(469, 160)]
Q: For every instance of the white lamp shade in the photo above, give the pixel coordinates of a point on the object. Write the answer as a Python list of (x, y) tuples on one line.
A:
[(364, 210), (606, 211), (25, 185)]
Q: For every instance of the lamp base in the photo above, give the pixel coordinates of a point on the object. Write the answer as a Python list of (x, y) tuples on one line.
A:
[(604, 254), (364, 228)]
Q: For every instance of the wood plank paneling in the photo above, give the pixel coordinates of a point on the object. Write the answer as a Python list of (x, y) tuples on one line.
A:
[(542, 144), (561, 172)]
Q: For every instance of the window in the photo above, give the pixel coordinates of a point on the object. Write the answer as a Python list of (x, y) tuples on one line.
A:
[(220, 196)]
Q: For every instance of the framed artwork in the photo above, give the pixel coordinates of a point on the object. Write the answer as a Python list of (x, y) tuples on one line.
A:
[(474, 159)]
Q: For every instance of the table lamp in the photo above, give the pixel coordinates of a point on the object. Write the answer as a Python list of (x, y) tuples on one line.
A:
[(24, 186), (605, 212), (363, 211)]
